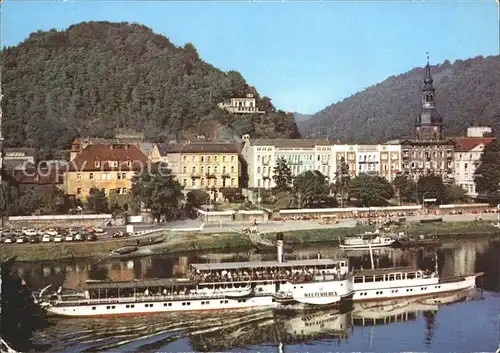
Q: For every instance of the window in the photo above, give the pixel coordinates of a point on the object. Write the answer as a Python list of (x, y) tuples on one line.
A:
[(232, 182), (202, 181), (97, 164), (203, 158), (202, 169), (118, 175), (224, 170), (193, 158), (193, 170), (208, 170), (215, 158), (232, 158), (258, 170), (223, 158), (184, 182), (124, 175), (91, 176), (79, 176), (209, 158), (79, 191), (232, 169), (129, 164), (184, 158), (215, 169), (185, 169)]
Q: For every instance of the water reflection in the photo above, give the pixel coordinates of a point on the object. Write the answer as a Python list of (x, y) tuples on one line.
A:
[(457, 258), (237, 330)]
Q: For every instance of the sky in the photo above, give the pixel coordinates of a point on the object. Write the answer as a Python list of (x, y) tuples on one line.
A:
[(305, 55)]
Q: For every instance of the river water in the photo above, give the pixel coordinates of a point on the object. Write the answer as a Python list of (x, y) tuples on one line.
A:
[(470, 324)]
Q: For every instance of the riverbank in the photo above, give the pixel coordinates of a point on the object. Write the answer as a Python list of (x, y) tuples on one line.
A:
[(186, 242)]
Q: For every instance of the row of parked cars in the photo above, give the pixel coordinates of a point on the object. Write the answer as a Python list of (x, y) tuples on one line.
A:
[(32, 235)]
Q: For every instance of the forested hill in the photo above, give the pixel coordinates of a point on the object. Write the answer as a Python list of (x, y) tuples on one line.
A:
[(97, 77), (467, 93)]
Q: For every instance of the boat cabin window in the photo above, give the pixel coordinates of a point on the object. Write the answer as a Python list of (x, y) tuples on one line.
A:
[(368, 278), (379, 278), (410, 275), (358, 279), (398, 276)]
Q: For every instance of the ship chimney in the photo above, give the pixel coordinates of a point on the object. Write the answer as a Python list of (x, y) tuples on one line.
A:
[(279, 246)]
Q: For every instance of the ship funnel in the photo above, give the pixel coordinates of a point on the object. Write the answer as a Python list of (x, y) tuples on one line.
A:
[(280, 247)]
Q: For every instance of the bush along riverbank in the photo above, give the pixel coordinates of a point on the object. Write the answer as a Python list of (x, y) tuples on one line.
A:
[(230, 241)]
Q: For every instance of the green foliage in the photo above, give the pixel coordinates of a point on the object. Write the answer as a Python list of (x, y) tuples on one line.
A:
[(342, 179), (285, 199), (282, 175), (467, 94), (371, 190), (96, 77), (404, 187), (196, 198), (156, 189), (311, 189), (488, 173), (232, 194), (42, 200), (455, 194), (118, 203), (431, 187), (97, 201), (9, 197)]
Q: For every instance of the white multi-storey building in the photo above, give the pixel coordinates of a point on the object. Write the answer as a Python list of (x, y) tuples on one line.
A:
[(467, 156), (302, 155)]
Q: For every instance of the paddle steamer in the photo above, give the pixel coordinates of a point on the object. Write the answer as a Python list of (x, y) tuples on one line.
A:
[(220, 286)]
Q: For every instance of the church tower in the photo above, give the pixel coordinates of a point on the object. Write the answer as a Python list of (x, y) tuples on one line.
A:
[(429, 124)]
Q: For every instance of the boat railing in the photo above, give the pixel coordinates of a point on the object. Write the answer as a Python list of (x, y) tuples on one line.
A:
[(146, 298)]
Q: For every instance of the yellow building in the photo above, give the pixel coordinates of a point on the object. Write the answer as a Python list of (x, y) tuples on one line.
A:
[(104, 167), (203, 165)]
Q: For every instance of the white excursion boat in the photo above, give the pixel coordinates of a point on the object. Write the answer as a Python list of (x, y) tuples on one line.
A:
[(405, 282), (365, 241), (219, 286)]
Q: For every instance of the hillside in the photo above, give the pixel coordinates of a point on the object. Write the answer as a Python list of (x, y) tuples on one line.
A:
[(97, 77), (467, 93)]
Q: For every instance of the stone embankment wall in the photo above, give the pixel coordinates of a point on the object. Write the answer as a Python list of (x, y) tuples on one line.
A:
[(64, 221)]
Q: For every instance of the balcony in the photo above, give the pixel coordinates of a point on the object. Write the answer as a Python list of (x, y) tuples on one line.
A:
[(264, 177), (225, 176), (210, 176), (195, 176), (295, 162), (265, 162)]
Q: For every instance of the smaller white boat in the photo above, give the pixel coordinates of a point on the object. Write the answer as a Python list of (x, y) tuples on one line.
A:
[(366, 241)]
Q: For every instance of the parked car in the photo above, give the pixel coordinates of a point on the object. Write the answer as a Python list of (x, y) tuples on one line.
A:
[(91, 237), (8, 240), (35, 239), (58, 238), (21, 240), (46, 238), (79, 237), (68, 237), (30, 232), (52, 232)]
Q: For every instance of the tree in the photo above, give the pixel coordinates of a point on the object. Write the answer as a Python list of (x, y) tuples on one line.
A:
[(97, 201), (282, 175), (431, 187), (196, 198), (232, 194), (9, 196), (285, 200), (455, 193), (342, 179), (488, 173), (156, 189), (119, 202), (42, 200), (371, 190), (404, 187), (311, 189)]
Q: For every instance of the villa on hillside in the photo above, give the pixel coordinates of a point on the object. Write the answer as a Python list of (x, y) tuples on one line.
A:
[(245, 105)]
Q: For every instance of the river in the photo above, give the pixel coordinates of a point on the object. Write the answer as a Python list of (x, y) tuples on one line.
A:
[(471, 324)]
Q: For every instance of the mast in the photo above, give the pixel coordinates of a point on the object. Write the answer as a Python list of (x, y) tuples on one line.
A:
[(371, 255), (436, 267)]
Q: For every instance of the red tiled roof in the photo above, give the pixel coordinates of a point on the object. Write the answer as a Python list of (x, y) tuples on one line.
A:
[(122, 154), (465, 144), (41, 177)]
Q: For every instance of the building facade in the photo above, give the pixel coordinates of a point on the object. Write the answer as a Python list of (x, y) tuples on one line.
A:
[(429, 152), (104, 167), (245, 105), (467, 157), (208, 166)]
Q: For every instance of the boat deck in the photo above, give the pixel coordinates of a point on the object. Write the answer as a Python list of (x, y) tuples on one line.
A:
[(383, 271), (251, 265)]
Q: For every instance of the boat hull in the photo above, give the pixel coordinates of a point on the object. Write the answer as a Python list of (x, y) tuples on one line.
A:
[(365, 247), (431, 286)]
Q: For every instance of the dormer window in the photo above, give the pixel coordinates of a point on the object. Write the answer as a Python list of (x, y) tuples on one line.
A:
[(97, 164), (129, 164)]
